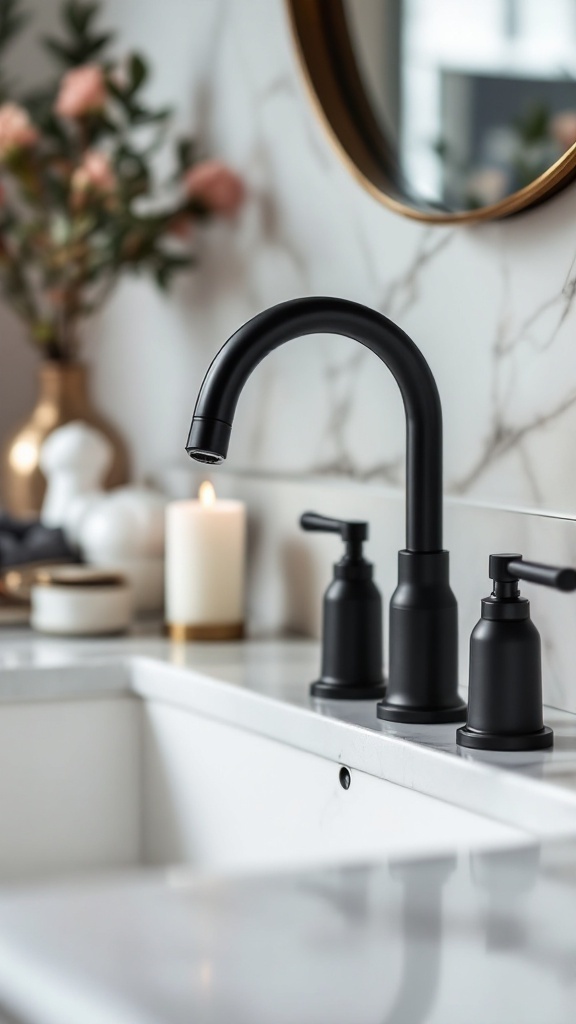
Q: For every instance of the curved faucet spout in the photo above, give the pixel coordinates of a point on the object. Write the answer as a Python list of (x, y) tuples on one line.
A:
[(226, 377), (422, 681)]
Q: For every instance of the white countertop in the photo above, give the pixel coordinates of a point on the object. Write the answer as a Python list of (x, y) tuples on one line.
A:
[(478, 938)]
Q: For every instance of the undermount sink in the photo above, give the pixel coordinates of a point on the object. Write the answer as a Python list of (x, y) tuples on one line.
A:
[(98, 782), (199, 762)]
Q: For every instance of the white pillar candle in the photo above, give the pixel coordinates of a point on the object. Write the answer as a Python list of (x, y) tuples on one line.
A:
[(205, 556)]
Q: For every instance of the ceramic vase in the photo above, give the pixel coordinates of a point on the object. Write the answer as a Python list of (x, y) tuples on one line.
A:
[(63, 396)]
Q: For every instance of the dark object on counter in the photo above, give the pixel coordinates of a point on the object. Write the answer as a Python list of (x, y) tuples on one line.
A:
[(505, 697), (422, 684), (352, 620), (16, 527), (23, 541)]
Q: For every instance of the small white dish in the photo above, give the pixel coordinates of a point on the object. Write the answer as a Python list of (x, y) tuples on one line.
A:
[(80, 601)]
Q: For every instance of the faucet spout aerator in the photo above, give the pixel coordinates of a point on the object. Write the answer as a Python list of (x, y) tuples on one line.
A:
[(208, 458), (208, 440)]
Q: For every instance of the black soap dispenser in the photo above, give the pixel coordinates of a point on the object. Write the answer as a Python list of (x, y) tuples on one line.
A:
[(352, 620), (505, 693)]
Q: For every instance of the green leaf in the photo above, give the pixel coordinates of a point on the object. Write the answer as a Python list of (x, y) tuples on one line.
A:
[(132, 172), (95, 44), (104, 125), (138, 71), (79, 47), (69, 16), (162, 277), (185, 152), (65, 54), (40, 106), (12, 21), (78, 15), (57, 189), (168, 265), (141, 116), (115, 90)]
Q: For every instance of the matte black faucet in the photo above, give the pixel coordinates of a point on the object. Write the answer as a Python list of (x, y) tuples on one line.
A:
[(423, 632)]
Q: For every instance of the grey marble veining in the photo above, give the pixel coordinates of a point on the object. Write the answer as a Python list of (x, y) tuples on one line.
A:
[(492, 307)]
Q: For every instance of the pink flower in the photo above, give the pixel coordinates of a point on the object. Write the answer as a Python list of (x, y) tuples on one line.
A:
[(563, 129), (16, 129), (215, 185), (82, 91), (94, 173)]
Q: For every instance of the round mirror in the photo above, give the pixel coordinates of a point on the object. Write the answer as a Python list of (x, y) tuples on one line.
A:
[(446, 111)]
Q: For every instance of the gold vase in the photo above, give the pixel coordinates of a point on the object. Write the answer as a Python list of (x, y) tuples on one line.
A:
[(63, 397)]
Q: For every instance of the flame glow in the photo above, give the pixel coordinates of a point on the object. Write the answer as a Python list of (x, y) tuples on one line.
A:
[(206, 493), (24, 456)]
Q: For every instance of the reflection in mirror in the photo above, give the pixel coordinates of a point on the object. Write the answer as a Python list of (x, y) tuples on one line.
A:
[(476, 100)]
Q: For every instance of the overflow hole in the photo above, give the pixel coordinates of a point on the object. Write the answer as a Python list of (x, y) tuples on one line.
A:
[(344, 777)]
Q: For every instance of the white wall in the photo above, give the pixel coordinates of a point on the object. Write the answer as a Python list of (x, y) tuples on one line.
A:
[(491, 306)]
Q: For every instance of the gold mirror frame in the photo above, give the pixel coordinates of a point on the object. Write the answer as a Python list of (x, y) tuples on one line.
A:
[(334, 84)]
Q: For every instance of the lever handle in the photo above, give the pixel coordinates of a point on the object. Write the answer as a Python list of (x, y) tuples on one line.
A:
[(510, 568), (546, 575), (350, 531)]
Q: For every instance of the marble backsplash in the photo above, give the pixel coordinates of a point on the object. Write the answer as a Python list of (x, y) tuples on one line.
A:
[(492, 307)]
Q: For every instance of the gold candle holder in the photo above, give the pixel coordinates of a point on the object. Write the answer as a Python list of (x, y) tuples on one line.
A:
[(182, 632)]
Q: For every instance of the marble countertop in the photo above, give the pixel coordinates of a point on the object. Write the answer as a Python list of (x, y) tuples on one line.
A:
[(474, 938)]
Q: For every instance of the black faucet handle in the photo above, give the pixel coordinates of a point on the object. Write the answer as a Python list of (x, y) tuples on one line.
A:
[(352, 618), (511, 568), (351, 531)]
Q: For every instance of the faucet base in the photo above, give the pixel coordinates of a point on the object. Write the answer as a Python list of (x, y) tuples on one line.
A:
[(423, 672), (476, 740), (422, 716), (339, 691)]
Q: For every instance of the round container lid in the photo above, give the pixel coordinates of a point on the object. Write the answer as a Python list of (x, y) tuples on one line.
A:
[(79, 576)]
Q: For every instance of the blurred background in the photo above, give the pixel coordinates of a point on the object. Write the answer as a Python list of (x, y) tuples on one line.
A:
[(230, 73)]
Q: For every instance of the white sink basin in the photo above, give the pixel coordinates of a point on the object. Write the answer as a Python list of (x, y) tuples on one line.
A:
[(92, 783), (213, 759)]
